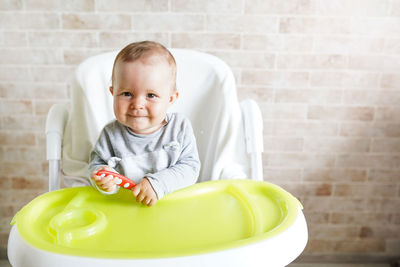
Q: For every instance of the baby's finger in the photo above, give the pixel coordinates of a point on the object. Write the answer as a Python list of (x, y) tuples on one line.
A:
[(140, 198), (108, 184), (110, 187), (136, 191), (106, 179), (93, 174), (146, 200), (96, 178), (152, 202)]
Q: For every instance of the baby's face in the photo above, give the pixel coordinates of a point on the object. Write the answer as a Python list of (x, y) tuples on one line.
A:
[(142, 94)]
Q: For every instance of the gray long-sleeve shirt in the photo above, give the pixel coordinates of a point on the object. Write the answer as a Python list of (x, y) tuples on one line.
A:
[(168, 157)]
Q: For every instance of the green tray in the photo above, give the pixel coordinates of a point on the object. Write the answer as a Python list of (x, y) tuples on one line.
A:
[(209, 216)]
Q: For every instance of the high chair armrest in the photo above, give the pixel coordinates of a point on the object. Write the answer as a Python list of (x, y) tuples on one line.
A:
[(253, 130), (55, 124)]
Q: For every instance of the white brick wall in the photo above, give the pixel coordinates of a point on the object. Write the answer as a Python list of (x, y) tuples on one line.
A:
[(326, 75)]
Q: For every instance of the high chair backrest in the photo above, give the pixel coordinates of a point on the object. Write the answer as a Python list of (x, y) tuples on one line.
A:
[(207, 96)]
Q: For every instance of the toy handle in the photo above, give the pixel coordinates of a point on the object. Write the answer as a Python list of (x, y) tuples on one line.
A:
[(122, 182)]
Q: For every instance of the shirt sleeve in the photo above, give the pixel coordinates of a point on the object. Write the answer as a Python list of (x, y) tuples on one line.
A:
[(100, 153), (184, 173)]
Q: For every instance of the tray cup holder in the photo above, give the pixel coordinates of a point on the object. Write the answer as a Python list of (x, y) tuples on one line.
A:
[(77, 224)]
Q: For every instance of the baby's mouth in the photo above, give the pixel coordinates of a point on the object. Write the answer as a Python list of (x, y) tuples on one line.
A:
[(137, 116)]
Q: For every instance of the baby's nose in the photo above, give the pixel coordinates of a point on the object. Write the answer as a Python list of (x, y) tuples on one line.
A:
[(137, 103)]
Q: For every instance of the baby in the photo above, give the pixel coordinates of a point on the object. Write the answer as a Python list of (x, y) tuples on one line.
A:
[(155, 149)]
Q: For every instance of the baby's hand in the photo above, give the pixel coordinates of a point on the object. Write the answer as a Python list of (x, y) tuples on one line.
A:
[(107, 183), (145, 193)]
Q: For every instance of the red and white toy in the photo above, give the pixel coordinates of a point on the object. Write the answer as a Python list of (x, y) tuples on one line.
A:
[(123, 181)]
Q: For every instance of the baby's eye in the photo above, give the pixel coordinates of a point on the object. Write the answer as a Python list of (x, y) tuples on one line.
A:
[(126, 94), (150, 95)]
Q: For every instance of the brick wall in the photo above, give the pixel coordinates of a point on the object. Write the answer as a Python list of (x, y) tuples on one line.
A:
[(326, 75)]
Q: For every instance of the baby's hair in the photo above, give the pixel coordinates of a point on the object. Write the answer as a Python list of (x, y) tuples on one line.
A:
[(142, 51)]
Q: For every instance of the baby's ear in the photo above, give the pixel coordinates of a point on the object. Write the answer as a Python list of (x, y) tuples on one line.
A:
[(174, 96), (111, 90)]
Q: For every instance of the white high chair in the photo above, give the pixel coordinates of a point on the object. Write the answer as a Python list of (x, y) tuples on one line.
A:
[(229, 139)]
